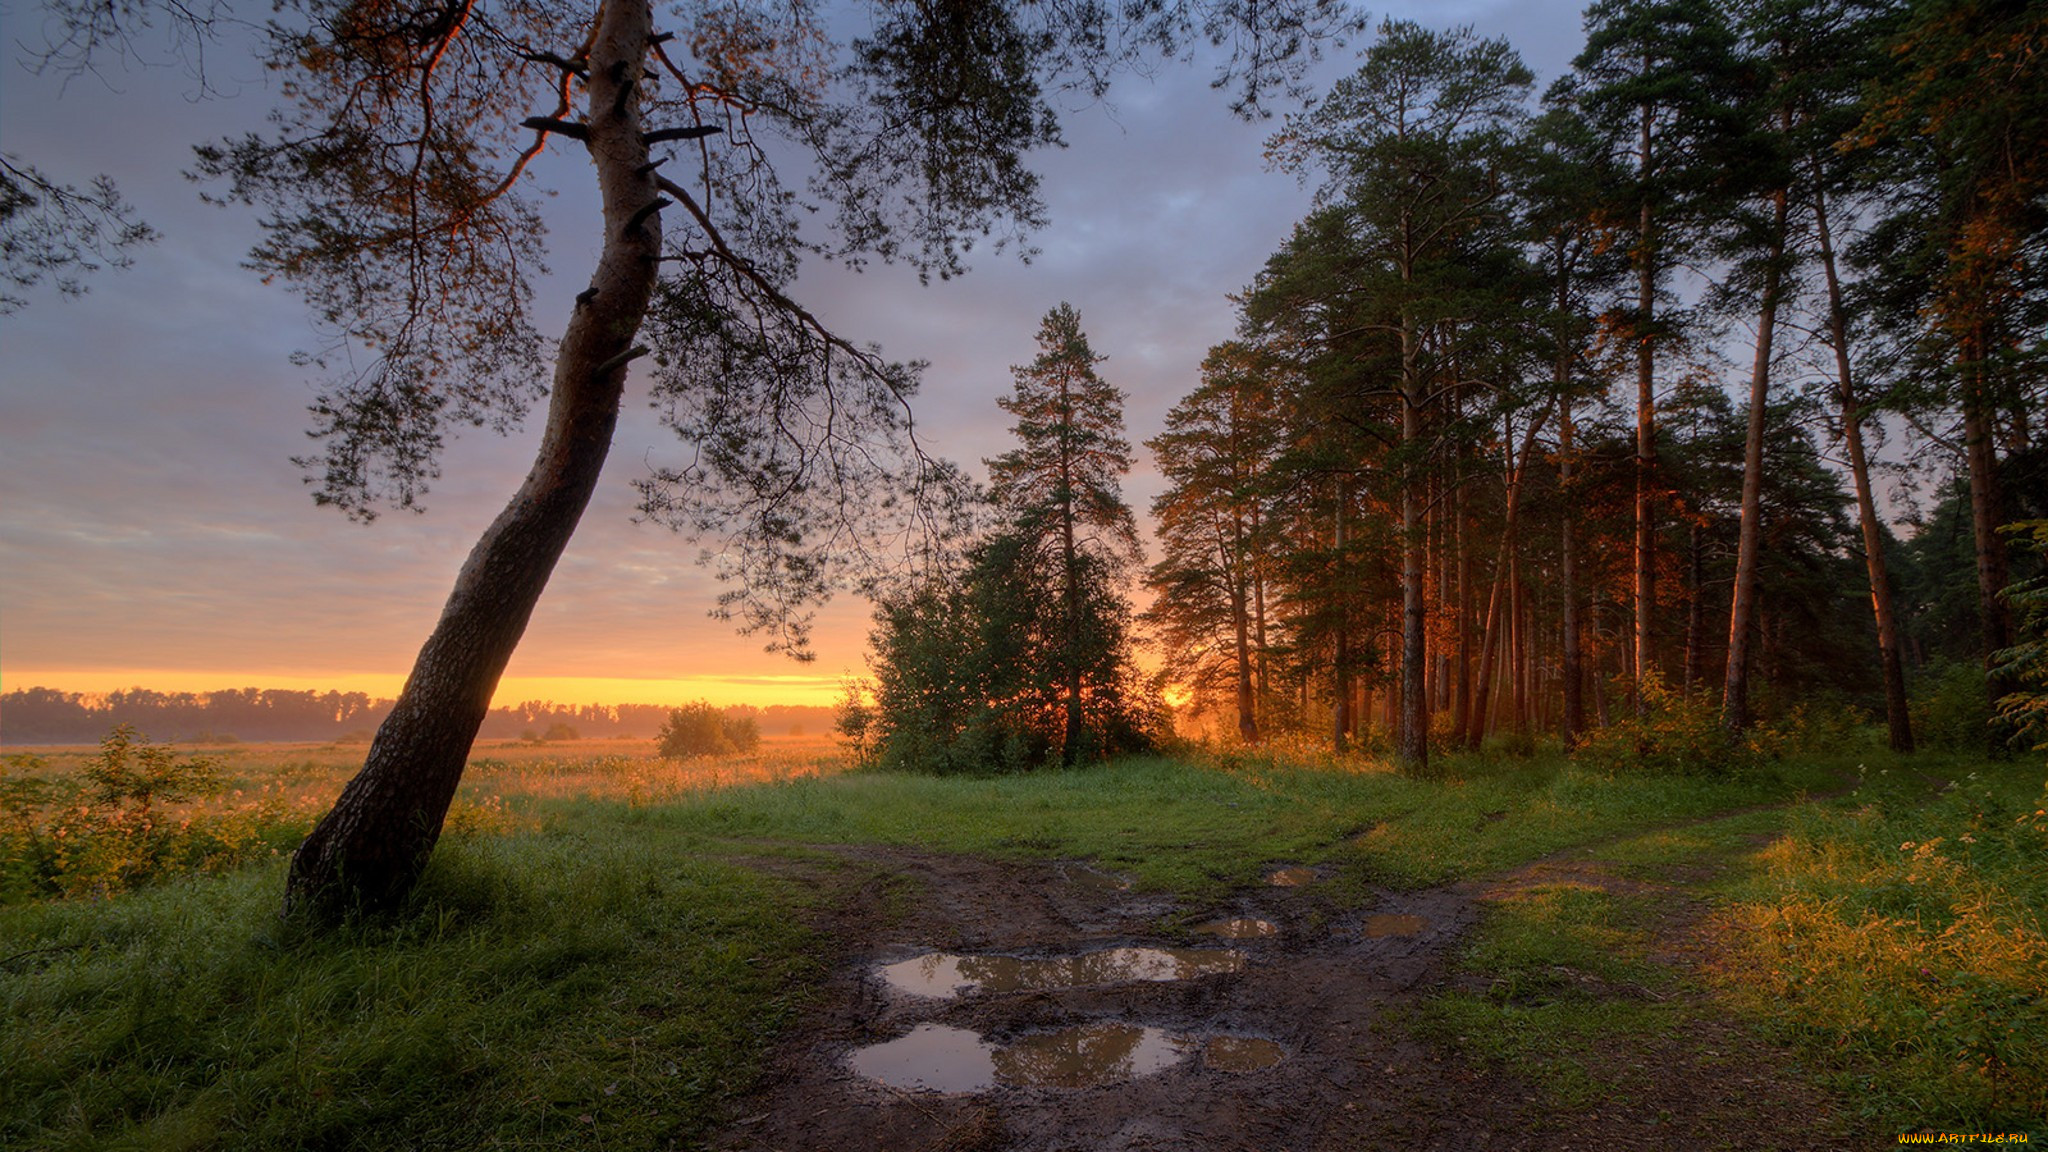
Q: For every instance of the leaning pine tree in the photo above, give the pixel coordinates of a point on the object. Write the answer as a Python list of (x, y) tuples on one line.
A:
[(396, 188)]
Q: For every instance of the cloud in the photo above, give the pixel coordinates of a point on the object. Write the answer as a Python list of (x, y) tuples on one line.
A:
[(149, 517)]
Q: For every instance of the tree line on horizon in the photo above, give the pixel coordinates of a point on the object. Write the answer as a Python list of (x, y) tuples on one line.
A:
[(1542, 419), (49, 716)]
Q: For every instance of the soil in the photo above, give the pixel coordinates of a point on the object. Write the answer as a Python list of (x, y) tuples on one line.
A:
[(1336, 988)]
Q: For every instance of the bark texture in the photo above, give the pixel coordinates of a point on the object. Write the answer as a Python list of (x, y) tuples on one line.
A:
[(1898, 719), (1742, 608), (371, 848)]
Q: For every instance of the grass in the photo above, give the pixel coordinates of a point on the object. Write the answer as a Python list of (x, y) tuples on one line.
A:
[(1893, 936), (542, 991), (598, 959), (1902, 939)]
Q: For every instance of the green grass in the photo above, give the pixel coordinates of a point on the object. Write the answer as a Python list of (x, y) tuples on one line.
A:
[(1893, 935), (544, 991), (1558, 977), (1901, 938), (1197, 827), (604, 961)]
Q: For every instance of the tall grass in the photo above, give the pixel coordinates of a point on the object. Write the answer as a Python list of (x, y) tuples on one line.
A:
[(552, 990), (1904, 942)]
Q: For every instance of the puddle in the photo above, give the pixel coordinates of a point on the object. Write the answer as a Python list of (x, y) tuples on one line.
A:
[(1241, 1053), (1291, 877), (933, 1057), (1090, 1055), (1392, 925), (1242, 928), (944, 975), (1101, 881), (937, 1058)]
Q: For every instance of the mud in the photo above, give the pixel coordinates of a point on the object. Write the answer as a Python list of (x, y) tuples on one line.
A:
[(1291, 877), (1238, 928), (1304, 1046)]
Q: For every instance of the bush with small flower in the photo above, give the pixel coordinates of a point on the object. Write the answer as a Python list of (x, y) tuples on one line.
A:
[(128, 817)]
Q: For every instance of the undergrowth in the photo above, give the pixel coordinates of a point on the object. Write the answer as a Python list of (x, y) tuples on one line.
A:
[(1904, 943)]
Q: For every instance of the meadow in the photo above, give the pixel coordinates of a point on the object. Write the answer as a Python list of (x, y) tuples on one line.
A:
[(608, 946)]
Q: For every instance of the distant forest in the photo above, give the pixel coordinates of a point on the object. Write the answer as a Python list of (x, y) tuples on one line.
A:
[(47, 716)]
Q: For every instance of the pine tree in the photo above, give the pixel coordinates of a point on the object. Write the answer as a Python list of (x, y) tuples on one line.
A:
[(1216, 531), (1060, 489), (1415, 143)]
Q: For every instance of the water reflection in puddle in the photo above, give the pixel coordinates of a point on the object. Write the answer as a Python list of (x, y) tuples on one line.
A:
[(945, 975), (933, 1057), (1089, 1055), (936, 1058), (1242, 928), (1240, 1053), (1291, 877), (1392, 925)]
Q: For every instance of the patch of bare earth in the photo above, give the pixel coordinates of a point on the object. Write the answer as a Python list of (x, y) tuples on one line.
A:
[(1331, 987)]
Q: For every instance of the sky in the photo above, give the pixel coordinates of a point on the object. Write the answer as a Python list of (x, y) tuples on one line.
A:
[(154, 532)]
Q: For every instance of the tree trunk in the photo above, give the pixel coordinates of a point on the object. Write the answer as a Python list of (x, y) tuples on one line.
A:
[(1340, 672), (1898, 719), (1742, 606), (1461, 700), (371, 848), (1646, 428), (1489, 643), (1247, 719), (1412, 746), (1986, 513), (1574, 726), (1695, 610)]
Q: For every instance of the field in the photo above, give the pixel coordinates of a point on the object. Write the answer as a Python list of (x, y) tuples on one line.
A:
[(614, 951)]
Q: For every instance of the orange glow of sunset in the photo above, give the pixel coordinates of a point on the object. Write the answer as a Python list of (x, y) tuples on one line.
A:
[(759, 690)]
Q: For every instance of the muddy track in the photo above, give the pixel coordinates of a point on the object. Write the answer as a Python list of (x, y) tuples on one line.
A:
[(1334, 988)]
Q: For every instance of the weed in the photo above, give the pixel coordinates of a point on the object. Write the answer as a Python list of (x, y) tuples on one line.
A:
[(1902, 943)]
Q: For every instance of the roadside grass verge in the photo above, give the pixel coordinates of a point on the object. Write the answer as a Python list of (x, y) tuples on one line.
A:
[(547, 990), (1892, 937), (1902, 942)]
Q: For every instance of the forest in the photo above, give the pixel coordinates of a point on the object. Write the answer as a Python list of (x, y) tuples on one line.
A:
[(1698, 387)]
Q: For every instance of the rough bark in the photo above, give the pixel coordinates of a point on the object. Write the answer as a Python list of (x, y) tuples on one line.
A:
[(1646, 426), (1898, 719), (1574, 725), (1742, 607), (1412, 746), (371, 848), (1340, 685)]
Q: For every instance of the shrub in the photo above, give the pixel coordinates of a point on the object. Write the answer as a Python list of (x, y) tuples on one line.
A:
[(702, 730), (1949, 706), (108, 831), (2025, 709), (131, 771), (1676, 735)]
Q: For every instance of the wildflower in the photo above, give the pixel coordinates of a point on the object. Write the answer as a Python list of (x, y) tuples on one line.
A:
[(1906, 847)]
